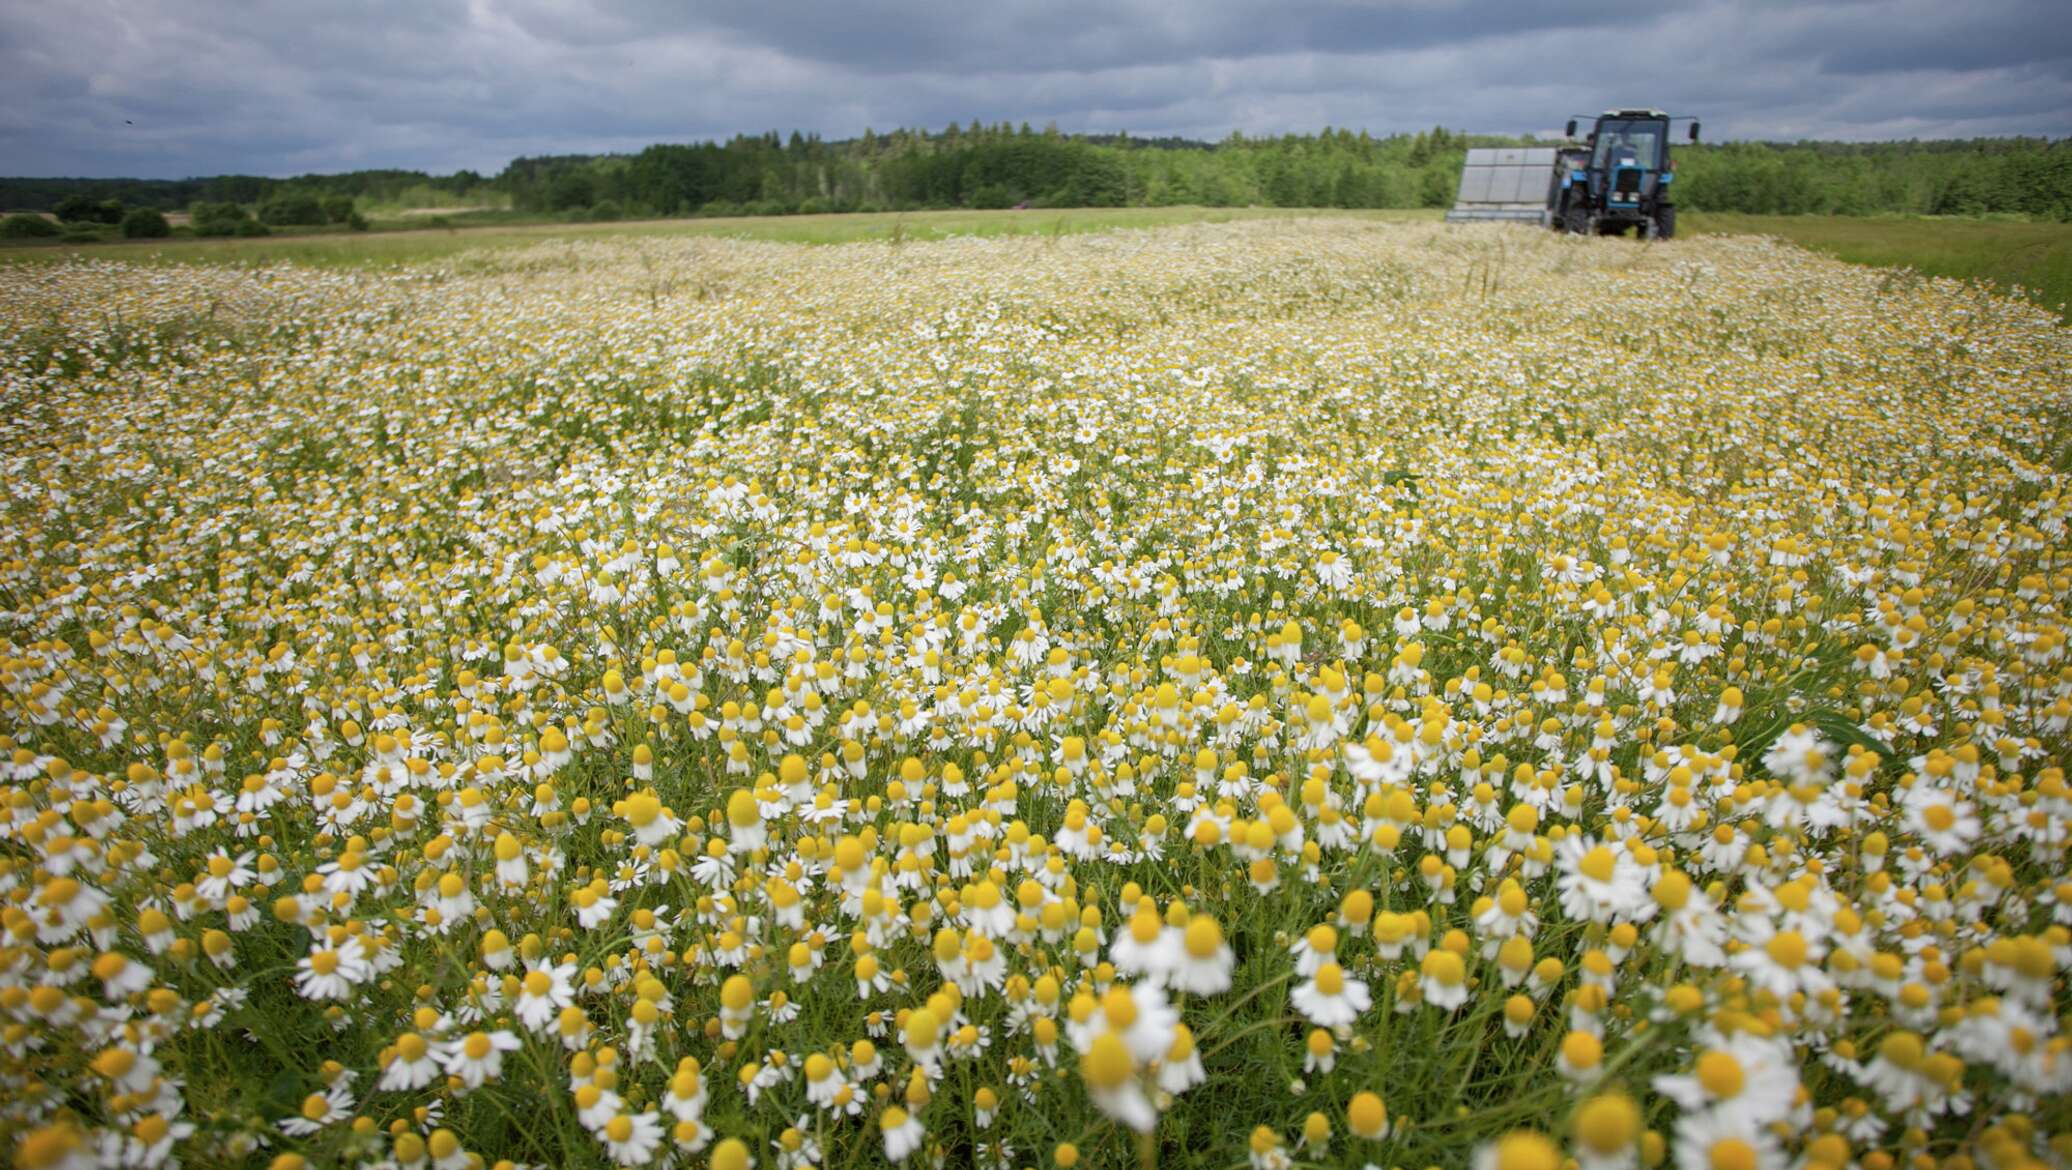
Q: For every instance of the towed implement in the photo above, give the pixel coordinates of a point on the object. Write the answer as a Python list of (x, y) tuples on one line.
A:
[(1617, 178)]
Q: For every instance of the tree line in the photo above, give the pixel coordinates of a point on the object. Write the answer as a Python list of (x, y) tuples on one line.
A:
[(1004, 165)]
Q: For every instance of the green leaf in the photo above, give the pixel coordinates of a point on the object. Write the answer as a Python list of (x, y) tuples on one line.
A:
[(1844, 731)]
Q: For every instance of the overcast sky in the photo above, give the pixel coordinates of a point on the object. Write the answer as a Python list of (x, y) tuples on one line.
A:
[(168, 88)]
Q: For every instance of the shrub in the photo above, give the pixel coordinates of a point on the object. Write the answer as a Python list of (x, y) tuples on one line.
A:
[(337, 208), (80, 209), (145, 223), (356, 222), (216, 219), (251, 227), (606, 211), (24, 225), (292, 209), (992, 196)]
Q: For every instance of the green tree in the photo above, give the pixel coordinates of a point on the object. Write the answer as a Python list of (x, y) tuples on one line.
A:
[(216, 219), (23, 225), (292, 209), (145, 223)]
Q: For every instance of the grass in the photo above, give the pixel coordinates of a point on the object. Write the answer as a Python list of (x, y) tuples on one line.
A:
[(2035, 256)]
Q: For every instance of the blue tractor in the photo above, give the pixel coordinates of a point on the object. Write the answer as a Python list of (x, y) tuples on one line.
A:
[(1618, 178)]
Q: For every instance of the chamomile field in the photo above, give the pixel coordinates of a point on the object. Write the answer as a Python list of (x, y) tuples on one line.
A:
[(1279, 693)]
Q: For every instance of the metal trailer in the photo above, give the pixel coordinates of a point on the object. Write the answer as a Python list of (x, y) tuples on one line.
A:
[(1515, 183)]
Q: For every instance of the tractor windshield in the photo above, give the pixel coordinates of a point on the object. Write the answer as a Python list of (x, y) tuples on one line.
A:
[(1640, 140)]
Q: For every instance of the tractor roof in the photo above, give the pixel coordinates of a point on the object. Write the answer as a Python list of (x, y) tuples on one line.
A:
[(1634, 114)]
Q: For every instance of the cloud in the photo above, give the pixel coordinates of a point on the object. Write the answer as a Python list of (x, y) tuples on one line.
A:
[(157, 88)]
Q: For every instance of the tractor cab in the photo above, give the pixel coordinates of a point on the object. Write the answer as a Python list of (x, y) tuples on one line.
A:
[(1620, 177)]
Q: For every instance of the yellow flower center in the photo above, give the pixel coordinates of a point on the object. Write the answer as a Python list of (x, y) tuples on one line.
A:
[(1720, 1074)]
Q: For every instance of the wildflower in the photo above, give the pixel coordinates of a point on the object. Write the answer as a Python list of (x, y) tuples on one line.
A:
[(745, 819), (1518, 1150), (1581, 1058), (543, 992), (1444, 980), (731, 1154), (902, 1133), (331, 972), (410, 1064), (1708, 1141), (478, 1057), (632, 1138), (1744, 1078), (1110, 1073), (1331, 998), (1599, 883), (1367, 1116), (1180, 1069), (1204, 963), (1607, 1132)]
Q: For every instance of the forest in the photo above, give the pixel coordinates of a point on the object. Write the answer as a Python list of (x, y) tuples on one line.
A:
[(1004, 165)]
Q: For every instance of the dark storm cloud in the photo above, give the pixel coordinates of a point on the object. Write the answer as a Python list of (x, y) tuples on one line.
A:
[(153, 87), (952, 36)]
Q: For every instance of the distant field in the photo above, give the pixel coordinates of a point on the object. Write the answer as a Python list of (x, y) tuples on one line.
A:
[(2035, 256)]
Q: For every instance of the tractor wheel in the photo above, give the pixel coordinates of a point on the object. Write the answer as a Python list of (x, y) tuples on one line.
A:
[(1576, 219), (1665, 222)]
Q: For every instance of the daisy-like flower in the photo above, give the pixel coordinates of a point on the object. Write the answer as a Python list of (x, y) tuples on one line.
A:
[(1316, 947), (478, 1057), (57, 1146), (1110, 1074), (594, 906), (1330, 998), (1181, 1068), (1800, 756), (319, 1111), (632, 1138), (1710, 1141), (988, 912), (1686, 923), (542, 992), (411, 1064), (1598, 882), (1204, 961), (120, 975), (1518, 1150), (746, 832), (1139, 1014), (1940, 819), (1444, 980), (1782, 962), (332, 971), (684, 1099), (1146, 947), (1367, 1117), (1747, 1079), (1606, 1132), (902, 1133)]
